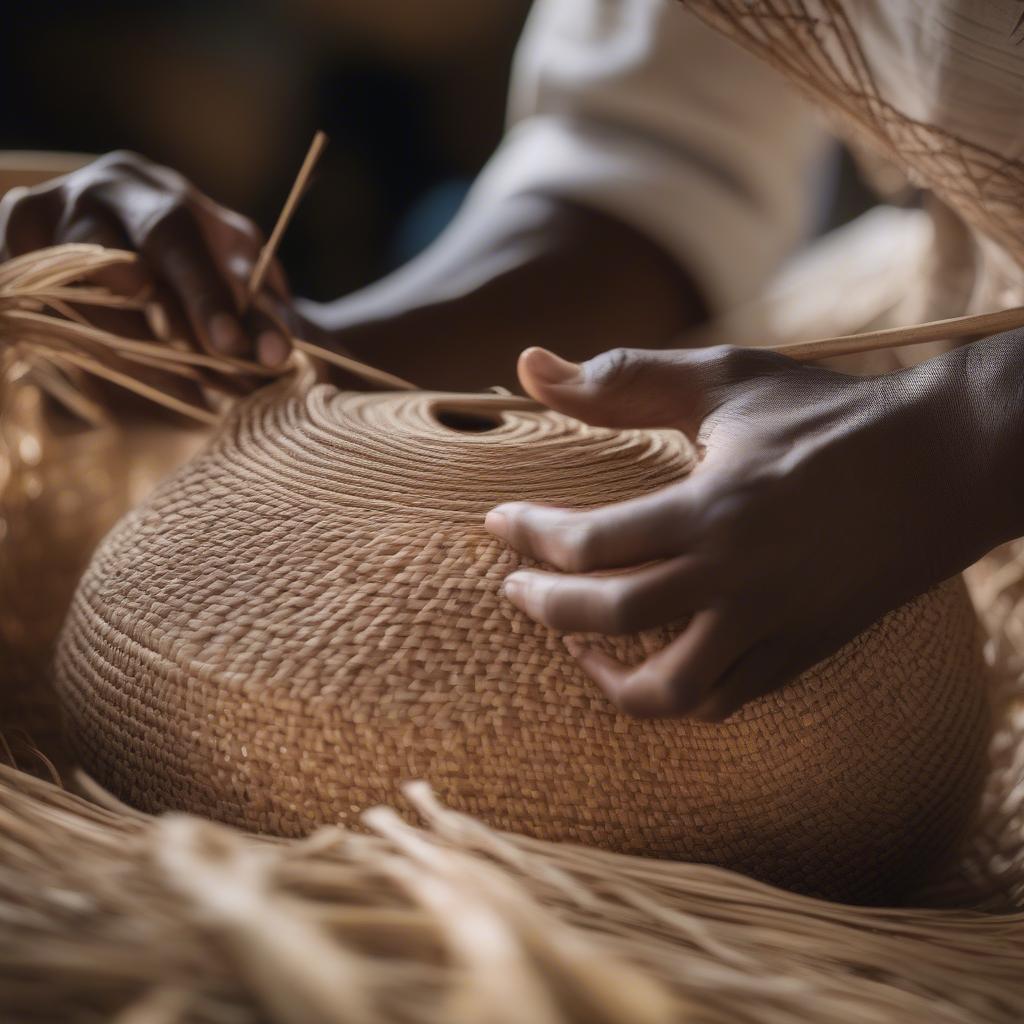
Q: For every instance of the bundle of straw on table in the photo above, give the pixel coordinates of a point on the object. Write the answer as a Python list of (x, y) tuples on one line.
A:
[(113, 916)]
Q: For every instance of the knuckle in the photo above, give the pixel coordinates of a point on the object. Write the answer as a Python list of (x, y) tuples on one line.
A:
[(79, 204), (15, 203), (126, 163), (716, 708), (645, 700), (169, 228), (678, 698), (616, 609), (523, 529), (732, 357), (631, 703), (122, 159), (553, 609), (741, 363), (580, 546), (18, 198), (18, 207), (615, 368), (116, 166)]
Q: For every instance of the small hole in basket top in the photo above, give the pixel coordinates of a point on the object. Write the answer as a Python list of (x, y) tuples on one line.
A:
[(467, 422)]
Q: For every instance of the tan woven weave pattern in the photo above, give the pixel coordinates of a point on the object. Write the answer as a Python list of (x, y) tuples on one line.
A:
[(815, 45), (309, 614)]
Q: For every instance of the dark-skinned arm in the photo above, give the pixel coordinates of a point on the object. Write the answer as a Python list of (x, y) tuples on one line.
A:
[(529, 270)]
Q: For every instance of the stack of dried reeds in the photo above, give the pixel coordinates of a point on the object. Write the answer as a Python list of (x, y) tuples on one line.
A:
[(109, 915)]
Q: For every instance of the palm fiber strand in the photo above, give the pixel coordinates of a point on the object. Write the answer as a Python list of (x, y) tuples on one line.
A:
[(110, 915), (113, 916), (38, 317)]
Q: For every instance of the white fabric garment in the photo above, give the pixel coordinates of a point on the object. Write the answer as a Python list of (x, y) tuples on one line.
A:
[(637, 108)]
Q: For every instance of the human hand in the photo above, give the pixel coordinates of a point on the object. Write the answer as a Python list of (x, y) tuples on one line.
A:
[(821, 502), (197, 254)]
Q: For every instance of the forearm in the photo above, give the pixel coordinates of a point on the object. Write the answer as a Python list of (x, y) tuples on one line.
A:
[(533, 270), (971, 442)]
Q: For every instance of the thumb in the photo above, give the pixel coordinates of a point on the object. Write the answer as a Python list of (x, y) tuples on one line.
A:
[(624, 387)]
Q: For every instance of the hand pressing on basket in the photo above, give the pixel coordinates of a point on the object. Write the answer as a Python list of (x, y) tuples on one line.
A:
[(530, 267), (821, 502), (197, 254)]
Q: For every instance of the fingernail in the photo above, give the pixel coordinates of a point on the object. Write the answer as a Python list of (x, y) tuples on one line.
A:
[(573, 646), (549, 368), (514, 588), (271, 348), (496, 522), (226, 335)]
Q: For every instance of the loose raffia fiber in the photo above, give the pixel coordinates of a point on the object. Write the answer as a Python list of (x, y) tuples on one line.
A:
[(113, 916)]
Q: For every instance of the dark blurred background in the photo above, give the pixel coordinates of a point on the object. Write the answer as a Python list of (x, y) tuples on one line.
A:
[(229, 92)]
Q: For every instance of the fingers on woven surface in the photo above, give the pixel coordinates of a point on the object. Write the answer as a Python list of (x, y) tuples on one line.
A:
[(638, 530), (763, 668), (674, 681), (619, 603)]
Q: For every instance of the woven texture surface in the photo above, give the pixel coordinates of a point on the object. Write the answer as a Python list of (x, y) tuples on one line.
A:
[(180, 921), (815, 45), (309, 614)]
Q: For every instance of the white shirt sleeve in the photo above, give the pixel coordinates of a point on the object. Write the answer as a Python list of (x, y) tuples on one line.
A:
[(636, 108)]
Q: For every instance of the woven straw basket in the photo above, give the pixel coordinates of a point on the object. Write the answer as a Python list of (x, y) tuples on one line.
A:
[(112, 915), (309, 614)]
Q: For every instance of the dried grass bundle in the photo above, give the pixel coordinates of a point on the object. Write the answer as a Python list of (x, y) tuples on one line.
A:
[(42, 322), (114, 916)]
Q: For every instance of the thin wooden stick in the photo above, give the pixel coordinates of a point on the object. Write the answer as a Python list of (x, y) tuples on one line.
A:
[(974, 325), (486, 403), (359, 369), (98, 369), (86, 334), (259, 272)]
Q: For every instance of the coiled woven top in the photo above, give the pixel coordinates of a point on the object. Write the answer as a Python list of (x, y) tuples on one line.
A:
[(420, 454), (309, 614)]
